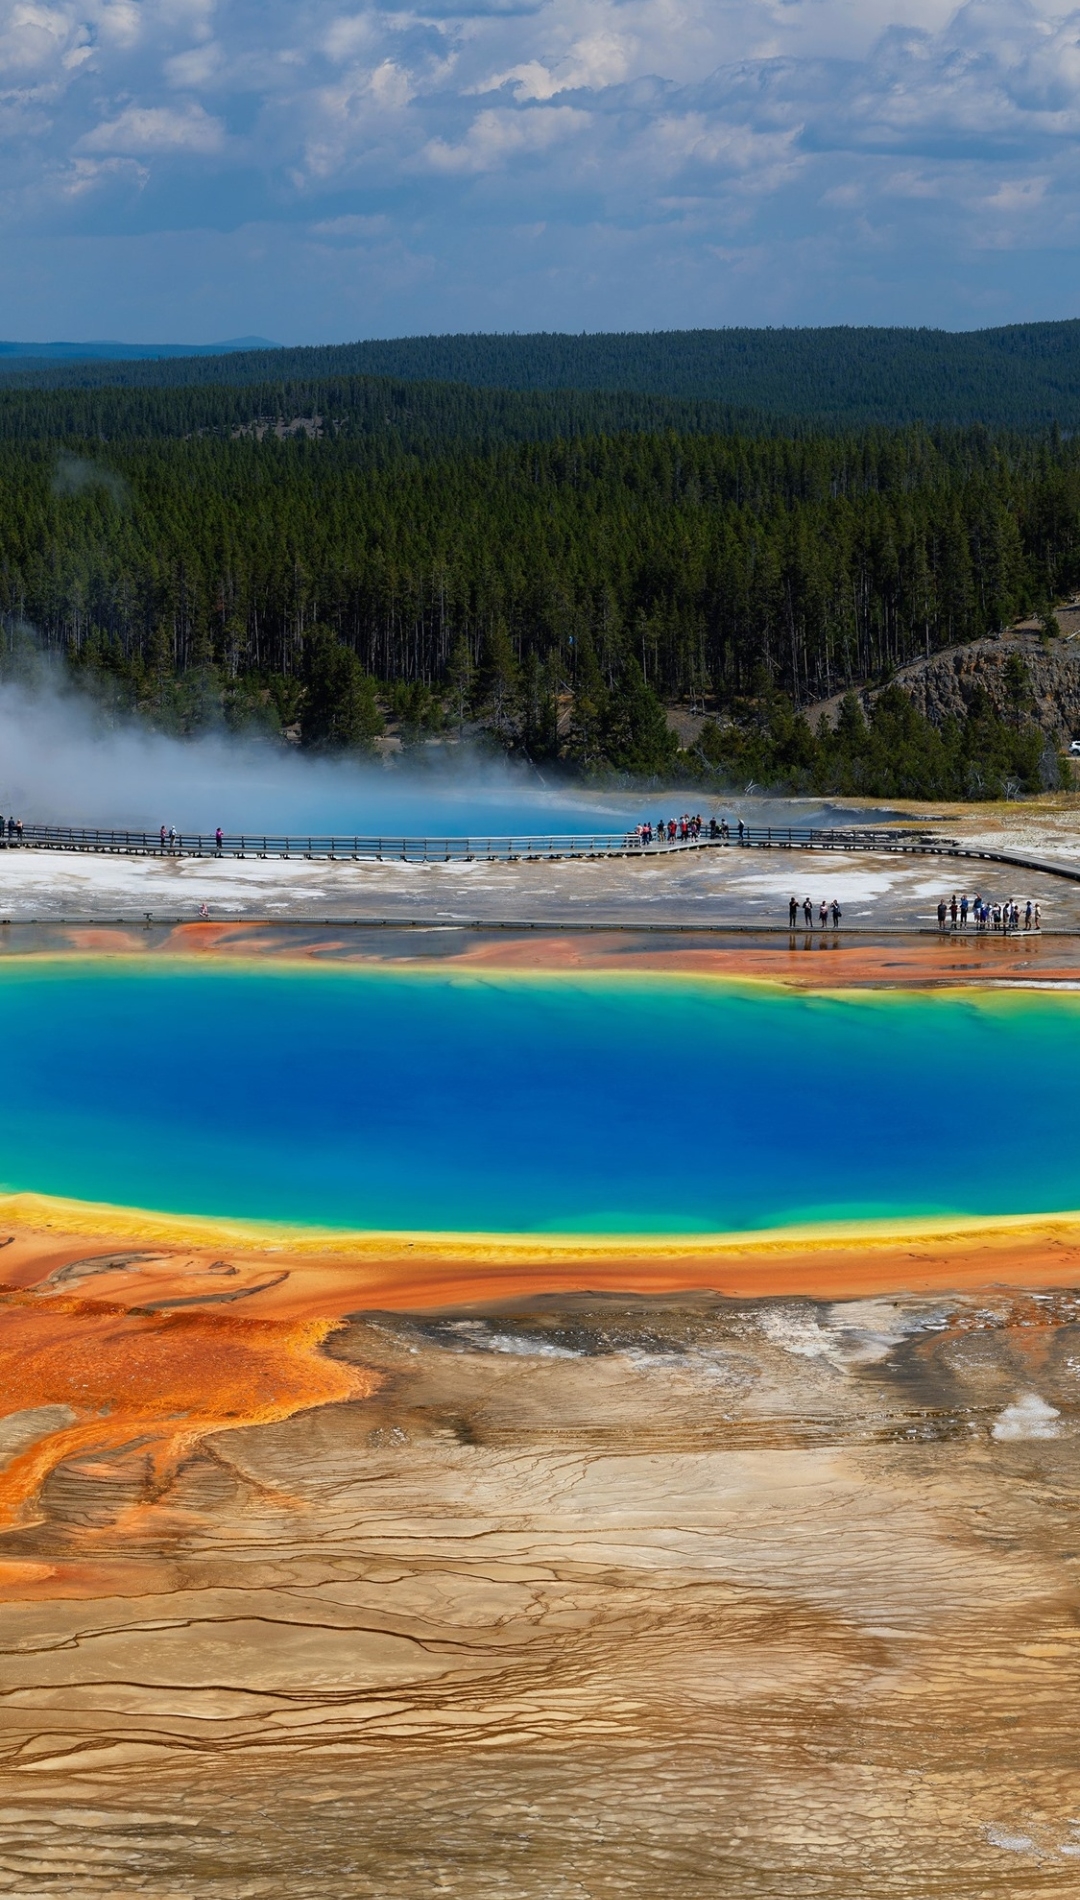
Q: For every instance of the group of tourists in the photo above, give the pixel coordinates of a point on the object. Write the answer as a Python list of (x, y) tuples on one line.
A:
[(171, 840), (1006, 916), (826, 912), (685, 830), (11, 831)]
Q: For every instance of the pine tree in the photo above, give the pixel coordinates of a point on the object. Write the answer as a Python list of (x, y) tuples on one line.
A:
[(498, 681), (461, 682), (340, 712), (538, 712), (636, 734)]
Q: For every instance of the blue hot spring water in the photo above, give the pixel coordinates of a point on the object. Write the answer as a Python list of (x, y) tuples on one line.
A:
[(384, 1097)]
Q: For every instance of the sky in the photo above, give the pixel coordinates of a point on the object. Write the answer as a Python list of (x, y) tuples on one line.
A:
[(194, 170)]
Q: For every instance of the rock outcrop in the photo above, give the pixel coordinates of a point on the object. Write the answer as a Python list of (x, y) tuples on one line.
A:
[(948, 683)]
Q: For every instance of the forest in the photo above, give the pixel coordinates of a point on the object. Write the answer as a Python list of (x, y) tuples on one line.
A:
[(386, 415), (1020, 376), (320, 558)]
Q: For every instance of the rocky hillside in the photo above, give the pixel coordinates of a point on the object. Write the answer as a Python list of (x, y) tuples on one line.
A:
[(1021, 672)]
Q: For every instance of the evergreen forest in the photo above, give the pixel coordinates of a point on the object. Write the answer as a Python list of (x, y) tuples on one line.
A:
[(1020, 376), (319, 558)]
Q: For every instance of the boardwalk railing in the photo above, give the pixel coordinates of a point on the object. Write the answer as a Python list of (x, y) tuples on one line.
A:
[(429, 850)]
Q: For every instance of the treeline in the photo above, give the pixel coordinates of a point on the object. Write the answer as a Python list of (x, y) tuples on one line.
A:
[(390, 418), (1019, 376)]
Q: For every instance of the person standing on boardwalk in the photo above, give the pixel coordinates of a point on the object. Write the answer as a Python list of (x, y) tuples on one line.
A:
[(808, 913), (217, 840), (792, 912), (823, 913), (837, 913), (963, 911), (954, 910), (942, 913)]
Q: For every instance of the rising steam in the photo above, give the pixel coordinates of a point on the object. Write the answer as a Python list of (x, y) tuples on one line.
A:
[(74, 475), (63, 761)]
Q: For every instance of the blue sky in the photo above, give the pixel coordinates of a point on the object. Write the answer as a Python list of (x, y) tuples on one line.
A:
[(187, 170)]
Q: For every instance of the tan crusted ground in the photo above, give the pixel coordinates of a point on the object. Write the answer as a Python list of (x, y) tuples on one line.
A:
[(561, 1594)]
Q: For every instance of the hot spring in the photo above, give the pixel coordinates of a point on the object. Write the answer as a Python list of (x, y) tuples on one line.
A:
[(420, 1099)]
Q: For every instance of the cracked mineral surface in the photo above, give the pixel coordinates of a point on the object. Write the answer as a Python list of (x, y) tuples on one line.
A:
[(572, 1594)]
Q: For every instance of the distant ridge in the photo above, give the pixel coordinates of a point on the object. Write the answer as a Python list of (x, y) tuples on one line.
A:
[(124, 352), (1022, 376)]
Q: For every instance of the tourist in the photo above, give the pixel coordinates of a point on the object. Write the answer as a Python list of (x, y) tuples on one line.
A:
[(808, 913), (217, 840), (837, 913), (172, 837), (792, 912), (1038, 918), (823, 913), (163, 837), (954, 910), (742, 829), (941, 914), (963, 911), (1027, 915)]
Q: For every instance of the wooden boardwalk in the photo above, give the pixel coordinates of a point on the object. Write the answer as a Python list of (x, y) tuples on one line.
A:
[(551, 846)]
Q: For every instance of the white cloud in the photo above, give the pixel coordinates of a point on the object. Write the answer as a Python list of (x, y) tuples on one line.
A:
[(599, 59), (198, 66), (35, 38), (1018, 194), (351, 228), (495, 137), (775, 143), (119, 22), (88, 174), (349, 35), (156, 129)]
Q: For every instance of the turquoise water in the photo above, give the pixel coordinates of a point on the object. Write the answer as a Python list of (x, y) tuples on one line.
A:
[(393, 1098)]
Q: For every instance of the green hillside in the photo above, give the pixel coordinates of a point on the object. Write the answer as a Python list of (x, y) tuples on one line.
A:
[(389, 416), (1022, 376)]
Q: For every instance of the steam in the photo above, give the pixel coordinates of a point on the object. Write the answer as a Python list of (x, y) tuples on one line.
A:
[(65, 760), (74, 474)]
